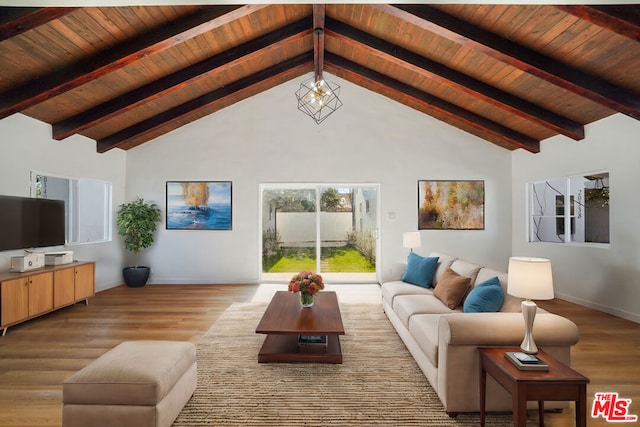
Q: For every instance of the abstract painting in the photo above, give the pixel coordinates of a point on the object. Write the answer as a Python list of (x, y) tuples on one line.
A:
[(450, 205), (198, 205)]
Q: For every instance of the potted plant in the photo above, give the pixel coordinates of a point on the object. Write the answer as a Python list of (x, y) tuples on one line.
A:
[(137, 222)]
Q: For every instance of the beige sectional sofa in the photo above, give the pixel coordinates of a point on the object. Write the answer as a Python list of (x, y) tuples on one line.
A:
[(444, 341)]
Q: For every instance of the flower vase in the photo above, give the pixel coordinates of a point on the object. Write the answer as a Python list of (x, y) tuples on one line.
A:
[(306, 300)]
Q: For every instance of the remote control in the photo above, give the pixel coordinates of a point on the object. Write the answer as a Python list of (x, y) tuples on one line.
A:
[(526, 358)]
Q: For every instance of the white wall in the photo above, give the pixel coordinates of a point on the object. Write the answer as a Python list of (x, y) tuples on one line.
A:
[(602, 277), (370, 140), (265, 139), (27, 145)]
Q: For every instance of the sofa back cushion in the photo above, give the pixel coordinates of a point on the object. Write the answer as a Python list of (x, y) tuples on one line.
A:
[(420, 270), (444, 262), (452, 288), (511, 304), (466, 269)]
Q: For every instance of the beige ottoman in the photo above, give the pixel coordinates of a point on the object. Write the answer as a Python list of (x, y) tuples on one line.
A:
[(137, 383)]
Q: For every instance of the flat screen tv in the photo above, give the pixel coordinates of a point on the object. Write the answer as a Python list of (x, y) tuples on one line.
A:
[(31, 223)]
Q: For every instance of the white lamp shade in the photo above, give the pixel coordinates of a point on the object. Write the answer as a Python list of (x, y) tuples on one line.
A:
[(411, 239), (530, 278)]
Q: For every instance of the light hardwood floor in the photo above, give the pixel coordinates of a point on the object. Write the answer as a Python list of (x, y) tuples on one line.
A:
[(37, 356)]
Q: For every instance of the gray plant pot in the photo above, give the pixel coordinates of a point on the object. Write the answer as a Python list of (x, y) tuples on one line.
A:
[(136, 277)]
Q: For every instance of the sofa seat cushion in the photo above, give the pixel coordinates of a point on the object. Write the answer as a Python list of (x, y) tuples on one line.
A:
[(406, 306), (392, 289), (424, 330), (132, 373)]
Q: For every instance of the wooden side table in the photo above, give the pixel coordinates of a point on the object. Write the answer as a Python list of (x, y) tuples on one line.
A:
[(557, 384)]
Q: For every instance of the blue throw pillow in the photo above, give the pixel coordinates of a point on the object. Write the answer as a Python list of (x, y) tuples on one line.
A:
[(487, 296), (420, 270)]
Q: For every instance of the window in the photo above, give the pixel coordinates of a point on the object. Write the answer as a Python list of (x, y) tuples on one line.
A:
[(570, 209), (319, 227), (87, 205)]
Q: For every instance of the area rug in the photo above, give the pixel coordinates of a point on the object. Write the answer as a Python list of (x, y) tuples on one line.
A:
[(378, 383)]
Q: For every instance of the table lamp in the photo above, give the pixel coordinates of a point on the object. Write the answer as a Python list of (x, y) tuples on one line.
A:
[(529, 278), (411, 239)]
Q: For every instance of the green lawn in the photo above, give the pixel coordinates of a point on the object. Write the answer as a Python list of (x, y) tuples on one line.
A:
[(344, 260), (347, 260), (291, 263)]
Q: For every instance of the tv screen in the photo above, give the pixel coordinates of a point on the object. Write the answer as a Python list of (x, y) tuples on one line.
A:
[(31, 223)]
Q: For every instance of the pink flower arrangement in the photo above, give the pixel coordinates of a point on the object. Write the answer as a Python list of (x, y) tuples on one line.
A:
[(306, 282)]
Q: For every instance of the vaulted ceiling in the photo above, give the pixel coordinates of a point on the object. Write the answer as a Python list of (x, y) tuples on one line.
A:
[(512, 75)]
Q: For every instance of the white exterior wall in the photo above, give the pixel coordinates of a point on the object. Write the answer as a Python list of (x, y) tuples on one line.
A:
[(365, 220), (295, 227)]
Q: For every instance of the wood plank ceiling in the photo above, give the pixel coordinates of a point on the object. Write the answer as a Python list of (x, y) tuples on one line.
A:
[(512, 75)]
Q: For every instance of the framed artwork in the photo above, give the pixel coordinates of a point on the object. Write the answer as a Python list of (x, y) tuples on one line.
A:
[(198, 205), (450, 205)]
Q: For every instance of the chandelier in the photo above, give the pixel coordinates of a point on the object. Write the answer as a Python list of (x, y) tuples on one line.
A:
[(317, 97)]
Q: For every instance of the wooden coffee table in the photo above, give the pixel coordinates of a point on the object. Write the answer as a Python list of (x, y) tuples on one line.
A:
[(285, 321)]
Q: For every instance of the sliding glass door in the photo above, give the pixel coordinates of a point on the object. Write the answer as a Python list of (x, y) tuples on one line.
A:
[(331, 229)]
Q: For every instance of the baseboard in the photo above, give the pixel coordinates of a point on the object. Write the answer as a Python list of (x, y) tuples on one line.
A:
[(178, 281), (633, 317), (105, 286)]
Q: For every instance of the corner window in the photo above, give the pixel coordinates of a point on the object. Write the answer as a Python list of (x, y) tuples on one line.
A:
[(570, 209), (87, 205)]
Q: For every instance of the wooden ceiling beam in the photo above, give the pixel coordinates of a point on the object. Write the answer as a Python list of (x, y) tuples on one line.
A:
[(388, 86), (123, 54), (237, 90), (527, 60), (450, 77), (621, 19), (180, 79), (17, 20)]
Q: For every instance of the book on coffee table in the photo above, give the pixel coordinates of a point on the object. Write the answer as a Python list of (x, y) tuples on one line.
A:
[(530, 364), (313, 340)]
